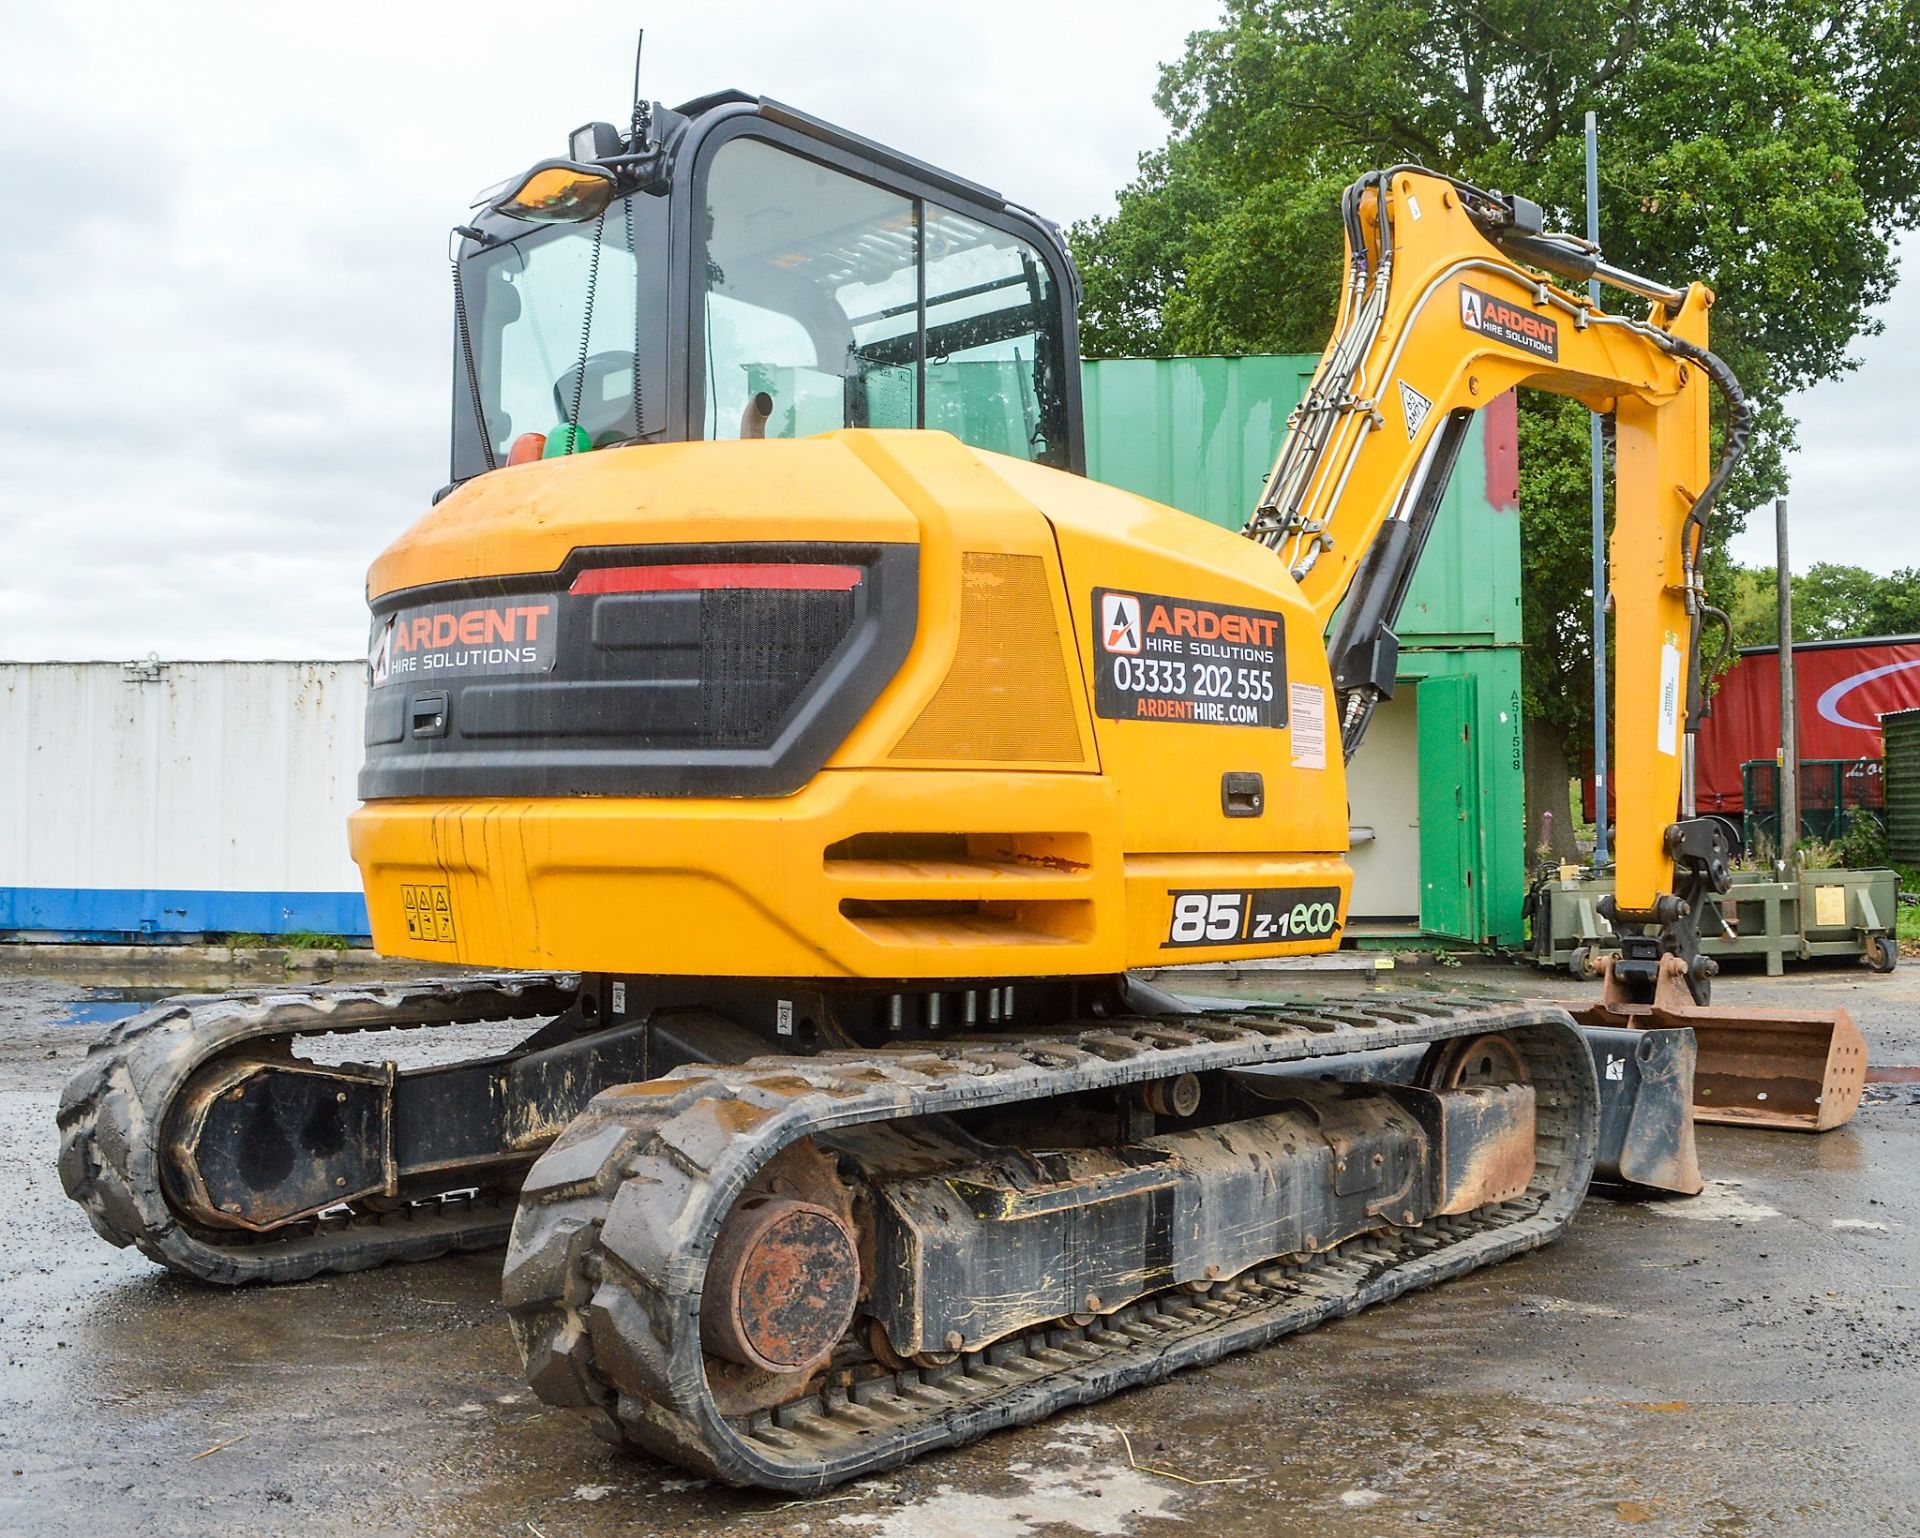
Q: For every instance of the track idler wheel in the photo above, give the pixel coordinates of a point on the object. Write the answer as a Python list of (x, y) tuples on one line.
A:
[(1469, 1060), (782, 1283), (781, 1286), (257, 1141), (1486, 1123)]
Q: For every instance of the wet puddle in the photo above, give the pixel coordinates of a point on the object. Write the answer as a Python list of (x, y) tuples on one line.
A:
[(99, 1007)]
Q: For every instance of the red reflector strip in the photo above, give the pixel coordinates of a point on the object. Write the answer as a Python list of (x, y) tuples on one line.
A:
[(780, 575)]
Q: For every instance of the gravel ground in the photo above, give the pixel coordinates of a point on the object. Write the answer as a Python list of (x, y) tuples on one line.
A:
[(1744, 1363)]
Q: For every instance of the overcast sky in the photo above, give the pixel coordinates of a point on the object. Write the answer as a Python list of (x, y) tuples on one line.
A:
[(224, 308)]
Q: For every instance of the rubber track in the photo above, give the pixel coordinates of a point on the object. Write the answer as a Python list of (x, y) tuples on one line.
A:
[(618, 1217), (114, 1113)]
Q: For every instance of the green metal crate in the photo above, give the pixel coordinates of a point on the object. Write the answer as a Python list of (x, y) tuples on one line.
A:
[(1902, 731), (1823, 913), (1830, 789)]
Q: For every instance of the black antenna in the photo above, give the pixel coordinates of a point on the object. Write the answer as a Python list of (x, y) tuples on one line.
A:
[(642, 116)]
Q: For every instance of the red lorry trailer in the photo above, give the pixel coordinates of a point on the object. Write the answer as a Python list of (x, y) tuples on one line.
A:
[(1843, 688)]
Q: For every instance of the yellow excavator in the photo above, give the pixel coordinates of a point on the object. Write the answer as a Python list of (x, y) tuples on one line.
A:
[(824, 754)]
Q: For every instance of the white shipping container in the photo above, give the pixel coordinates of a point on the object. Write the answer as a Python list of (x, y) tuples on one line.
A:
[(179, 797)]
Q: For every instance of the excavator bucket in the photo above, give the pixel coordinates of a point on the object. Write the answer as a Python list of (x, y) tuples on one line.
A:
[(1798, 1070), (1789, 1070)]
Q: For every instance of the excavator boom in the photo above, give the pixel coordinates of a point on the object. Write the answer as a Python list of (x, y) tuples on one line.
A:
[(1441, 318), (1441, 314)]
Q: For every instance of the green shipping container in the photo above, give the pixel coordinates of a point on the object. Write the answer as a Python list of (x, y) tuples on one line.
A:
[(1200, 434)]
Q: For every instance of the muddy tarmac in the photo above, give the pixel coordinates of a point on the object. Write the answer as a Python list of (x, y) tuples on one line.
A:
[(1747, 1363)]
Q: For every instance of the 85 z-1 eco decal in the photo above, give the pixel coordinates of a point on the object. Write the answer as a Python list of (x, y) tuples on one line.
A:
[(1256, 916)]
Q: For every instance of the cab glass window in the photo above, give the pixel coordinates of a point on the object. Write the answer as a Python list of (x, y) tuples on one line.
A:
[(831, 302), (991, 340), (807, 270), (550, 323)]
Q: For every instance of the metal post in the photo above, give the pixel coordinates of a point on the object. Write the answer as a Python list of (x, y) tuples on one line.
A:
[(1788, 806), (1598, 490)]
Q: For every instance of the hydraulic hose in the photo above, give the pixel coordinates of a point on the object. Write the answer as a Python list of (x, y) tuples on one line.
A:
[(1739, 424)]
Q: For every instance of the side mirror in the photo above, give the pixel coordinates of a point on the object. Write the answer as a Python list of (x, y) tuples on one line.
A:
[(557, 192)]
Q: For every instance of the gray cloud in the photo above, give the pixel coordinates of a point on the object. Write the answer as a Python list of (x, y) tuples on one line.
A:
[(224, 318), (1855, 492)]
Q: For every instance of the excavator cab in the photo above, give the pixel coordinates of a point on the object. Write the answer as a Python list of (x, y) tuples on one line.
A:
[(736, 269)]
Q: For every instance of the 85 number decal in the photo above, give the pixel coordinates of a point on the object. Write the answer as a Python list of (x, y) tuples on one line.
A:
[(1261, 916)]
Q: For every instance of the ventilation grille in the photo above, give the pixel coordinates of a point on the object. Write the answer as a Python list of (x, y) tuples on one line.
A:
[(1005, 698), (954, 889)]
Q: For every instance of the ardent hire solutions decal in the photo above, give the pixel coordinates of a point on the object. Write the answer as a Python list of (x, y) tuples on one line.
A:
[(1183, 659), (483, 635), (1509, 323)]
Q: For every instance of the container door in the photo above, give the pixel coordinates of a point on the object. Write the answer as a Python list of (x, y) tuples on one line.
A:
[(1450, 875)]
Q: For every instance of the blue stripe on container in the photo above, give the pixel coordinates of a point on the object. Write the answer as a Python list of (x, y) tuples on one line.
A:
[(91, 913)]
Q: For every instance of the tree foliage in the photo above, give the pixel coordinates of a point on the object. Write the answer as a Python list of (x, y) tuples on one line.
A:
[(1830, 602), (1765, 148)]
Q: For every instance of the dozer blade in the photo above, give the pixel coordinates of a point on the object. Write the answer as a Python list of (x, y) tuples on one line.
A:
[(1647, 1097), (1790, 1070), (1646, 1089)]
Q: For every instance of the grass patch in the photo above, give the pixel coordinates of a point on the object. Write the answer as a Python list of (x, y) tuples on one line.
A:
[(295, 940), (307, 940)]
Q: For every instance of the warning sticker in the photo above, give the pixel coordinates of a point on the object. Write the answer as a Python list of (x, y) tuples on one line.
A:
[(1667, 738), (1415, 406), (439, 640), (1184, 659), (1508, 322), (1308, 704), (429, 912)]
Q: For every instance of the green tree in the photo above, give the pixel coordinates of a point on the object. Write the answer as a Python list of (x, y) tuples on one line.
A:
[(1752, 603), (1766, 148), (1895, 609), (1830, 602)]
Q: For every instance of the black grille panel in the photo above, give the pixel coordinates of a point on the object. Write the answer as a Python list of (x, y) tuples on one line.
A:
[(730, 690), (766, 648)]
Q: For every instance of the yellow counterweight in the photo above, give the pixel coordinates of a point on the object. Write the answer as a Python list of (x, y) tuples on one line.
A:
[(1030, 794)]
